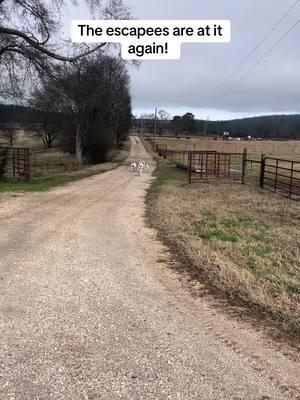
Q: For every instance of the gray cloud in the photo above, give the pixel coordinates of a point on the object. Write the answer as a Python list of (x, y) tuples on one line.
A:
[(184, 84), (272, 87)]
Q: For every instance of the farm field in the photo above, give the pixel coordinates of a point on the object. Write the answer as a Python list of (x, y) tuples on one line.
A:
[(48, 162), (24, 138), (289, 149), (44, 161), (241, 241)]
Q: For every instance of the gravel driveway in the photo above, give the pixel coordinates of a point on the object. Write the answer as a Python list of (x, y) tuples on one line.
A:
[(90, 310)]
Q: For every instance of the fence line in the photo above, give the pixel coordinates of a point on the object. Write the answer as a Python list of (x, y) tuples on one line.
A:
[(15, 162), (281, 176), (48, 164), (276, 175)]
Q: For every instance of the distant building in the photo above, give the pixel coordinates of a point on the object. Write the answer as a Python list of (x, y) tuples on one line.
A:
[(226, 136)]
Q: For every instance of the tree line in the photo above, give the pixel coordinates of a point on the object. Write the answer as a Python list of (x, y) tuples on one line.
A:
[(268, 127)]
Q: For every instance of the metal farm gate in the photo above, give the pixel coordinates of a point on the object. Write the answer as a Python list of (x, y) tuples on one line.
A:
[(281, 176), (15, 162), (211, 164)]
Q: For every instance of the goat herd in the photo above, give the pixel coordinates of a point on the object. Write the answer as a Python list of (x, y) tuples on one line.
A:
[(139, 166)]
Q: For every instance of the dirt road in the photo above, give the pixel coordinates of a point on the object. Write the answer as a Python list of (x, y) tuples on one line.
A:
[(90, 310)]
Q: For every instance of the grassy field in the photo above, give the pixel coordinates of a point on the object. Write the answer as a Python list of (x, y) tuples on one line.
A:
[(240, 241), (282, 149), (24, 138), (44, 161), (49, 181), (47, 162)]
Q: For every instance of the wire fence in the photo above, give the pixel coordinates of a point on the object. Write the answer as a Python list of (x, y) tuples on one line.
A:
[(43, 165), (15, 162)]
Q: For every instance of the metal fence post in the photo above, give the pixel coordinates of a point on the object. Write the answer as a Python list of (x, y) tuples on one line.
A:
[(276, 176), (190, 168), (262, 171), (291, 180), (14, 163), (28, 172), (244, 166)]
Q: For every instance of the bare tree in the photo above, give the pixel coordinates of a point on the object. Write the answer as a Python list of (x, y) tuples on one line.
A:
[(47, 132), (9, 131), (47, 124), (164, 115), (95, 91), (28, 37)]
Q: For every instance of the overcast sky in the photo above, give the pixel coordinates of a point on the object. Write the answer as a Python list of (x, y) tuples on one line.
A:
[(183, 85)]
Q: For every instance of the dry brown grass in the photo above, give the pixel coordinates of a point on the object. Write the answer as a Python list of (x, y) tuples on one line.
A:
[(289, 149), (24, 138), (239, 240)]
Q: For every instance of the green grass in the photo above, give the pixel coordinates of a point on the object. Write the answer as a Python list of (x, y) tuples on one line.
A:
[(260, 251), (293, 288), (217, 235), (166, 173), (229, 230), (41, 184)]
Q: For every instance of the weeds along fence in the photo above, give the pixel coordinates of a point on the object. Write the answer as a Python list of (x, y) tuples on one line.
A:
[(15, 163), (276, 175), (42, 164)]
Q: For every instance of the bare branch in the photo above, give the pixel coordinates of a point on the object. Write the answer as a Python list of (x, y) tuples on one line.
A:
[(38, 46)]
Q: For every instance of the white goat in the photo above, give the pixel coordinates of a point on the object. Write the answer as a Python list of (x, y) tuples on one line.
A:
[(140, 166), (147, 167), (133, 166)]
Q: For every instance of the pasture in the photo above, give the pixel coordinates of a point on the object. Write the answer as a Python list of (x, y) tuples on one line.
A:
[(52, 167), (289, 149), (44, 161), (47, 162), (239, 241)]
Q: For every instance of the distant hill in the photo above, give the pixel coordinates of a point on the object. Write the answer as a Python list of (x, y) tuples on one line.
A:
[(273, 126)]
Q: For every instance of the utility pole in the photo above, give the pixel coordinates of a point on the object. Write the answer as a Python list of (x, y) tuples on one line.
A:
[(155, 125), (205, 126)]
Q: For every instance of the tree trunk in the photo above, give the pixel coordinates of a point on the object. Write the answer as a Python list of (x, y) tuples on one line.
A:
[(118, 141), (78, 148)]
